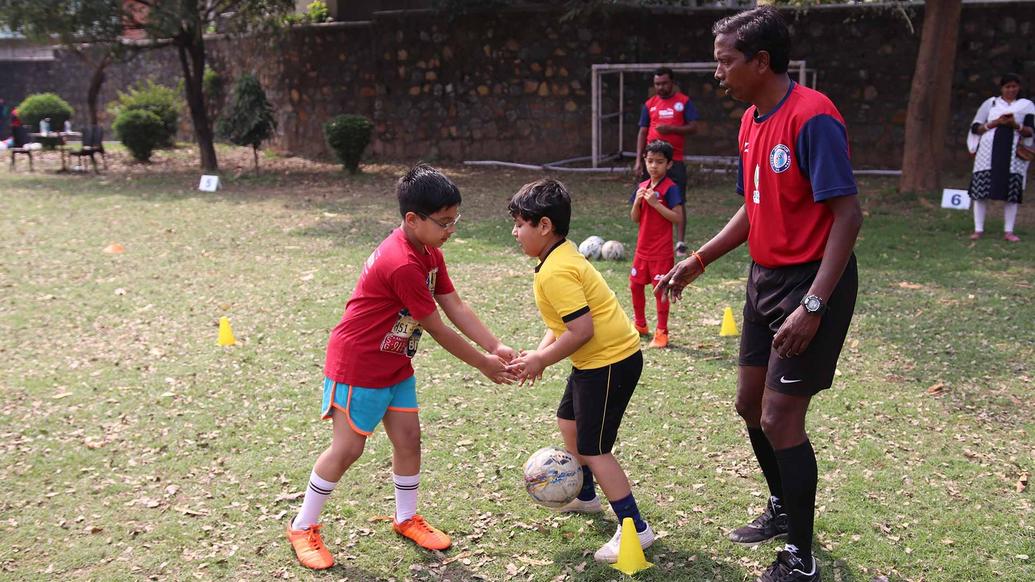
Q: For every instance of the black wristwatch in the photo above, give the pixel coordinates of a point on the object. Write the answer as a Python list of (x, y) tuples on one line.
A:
[(813, 305)]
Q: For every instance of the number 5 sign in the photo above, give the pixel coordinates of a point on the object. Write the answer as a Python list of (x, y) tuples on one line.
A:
[(209, 183), (956, 199)]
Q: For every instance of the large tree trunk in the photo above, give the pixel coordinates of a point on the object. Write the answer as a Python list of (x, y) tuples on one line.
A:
[(929, 98), (192, 59), (96, 81)]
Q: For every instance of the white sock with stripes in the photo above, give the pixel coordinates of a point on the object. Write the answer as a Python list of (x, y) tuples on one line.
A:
[(405, 496), (316, 495)]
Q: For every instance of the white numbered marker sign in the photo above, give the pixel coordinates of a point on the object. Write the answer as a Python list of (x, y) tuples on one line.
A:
[(956, 199), (209, 183)]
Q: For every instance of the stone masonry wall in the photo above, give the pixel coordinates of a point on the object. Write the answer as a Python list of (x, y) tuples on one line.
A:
[(516, 85)]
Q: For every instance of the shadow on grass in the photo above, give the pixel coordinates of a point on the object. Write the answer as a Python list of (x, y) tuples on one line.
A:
[(668, 564)]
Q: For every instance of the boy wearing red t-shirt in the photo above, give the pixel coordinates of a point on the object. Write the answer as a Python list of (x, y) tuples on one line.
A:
[(369, 376), (656, 206)]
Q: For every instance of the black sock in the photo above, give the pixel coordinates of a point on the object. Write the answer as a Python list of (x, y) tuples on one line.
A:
[(766, 460), (588, 490), (626, 507), (798, 475)]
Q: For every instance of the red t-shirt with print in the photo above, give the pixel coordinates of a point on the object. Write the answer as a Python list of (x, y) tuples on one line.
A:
[(373, 344)]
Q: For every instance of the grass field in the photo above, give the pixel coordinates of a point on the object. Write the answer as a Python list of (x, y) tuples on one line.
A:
[(133, 447)]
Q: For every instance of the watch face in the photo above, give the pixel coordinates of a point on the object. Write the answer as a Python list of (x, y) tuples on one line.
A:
[(812, 304)]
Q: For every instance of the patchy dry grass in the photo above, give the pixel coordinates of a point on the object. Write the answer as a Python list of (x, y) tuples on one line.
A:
[(134, 447)]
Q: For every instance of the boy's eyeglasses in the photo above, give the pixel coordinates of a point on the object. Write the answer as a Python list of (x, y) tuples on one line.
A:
[(442, 225)]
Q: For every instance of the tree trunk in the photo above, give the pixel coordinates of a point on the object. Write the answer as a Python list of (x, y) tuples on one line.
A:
[(96, 81), (927, 117), (192, 60), (255, 154)]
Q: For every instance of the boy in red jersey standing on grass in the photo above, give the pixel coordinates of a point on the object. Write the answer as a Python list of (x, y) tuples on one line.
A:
[(369, 376), (656, 206)]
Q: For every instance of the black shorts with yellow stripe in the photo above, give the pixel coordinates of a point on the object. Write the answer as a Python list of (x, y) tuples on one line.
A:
[(596, 400)]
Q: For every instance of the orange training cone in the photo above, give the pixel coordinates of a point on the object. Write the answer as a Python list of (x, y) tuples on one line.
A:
[(729, 327), (226, 335), (630, 555)]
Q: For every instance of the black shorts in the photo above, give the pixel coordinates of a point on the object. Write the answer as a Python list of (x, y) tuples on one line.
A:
[(772, 295), (596, 400)]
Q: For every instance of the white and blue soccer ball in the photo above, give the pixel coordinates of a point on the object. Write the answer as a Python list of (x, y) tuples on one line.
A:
[(553, 478), (612, 250), (590, 248)]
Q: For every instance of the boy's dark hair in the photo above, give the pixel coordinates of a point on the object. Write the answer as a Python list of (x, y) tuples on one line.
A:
[(660, 147), (424, 191), (1010, 78), (663, 71), (761, 29), (543, 198)]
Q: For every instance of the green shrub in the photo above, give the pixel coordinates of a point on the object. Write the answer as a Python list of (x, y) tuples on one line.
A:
[(348, 136), (250, 119), (140, 131), (164, 102), (317, 11), (42, 105)]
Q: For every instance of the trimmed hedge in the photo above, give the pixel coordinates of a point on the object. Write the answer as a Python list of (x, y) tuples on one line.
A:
[(348, 136), (140, 131), (164, 102), (42, 105)]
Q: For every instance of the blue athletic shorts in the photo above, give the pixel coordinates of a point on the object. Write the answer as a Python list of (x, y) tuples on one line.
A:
[(365, 407)]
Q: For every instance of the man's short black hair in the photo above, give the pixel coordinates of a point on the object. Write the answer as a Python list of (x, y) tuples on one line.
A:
[(424, 191), (660, 147), (543, 198), (1010, 78), (761, 29), (663, 71)]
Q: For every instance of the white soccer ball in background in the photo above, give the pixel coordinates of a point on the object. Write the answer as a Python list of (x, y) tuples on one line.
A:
[(590, 248), (612, 250), (552, 477)]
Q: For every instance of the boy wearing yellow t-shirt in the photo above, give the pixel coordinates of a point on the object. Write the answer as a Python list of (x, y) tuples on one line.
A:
[(584, 322)]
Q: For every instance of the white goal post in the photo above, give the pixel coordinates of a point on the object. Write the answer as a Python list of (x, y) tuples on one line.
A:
[(598, 71)]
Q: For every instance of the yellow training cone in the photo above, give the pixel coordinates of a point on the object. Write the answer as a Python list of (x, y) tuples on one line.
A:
[(729, 327), (226, 335), (630, 555)]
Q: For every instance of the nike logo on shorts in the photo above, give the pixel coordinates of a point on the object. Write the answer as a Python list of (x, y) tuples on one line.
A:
[(784, 380)]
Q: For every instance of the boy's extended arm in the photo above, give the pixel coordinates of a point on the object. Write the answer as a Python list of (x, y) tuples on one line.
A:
[(530, 365), (491, 365), (548, 339), (465, 319)]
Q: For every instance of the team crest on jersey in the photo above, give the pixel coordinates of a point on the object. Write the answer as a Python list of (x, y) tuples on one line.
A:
[(780, 158), (678, 106)]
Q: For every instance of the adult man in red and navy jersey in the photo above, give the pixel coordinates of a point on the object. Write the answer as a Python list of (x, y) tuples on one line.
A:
[(669, 116), (800, 219)]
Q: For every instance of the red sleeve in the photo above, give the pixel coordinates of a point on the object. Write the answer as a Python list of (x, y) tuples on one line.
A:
[(410, 286)]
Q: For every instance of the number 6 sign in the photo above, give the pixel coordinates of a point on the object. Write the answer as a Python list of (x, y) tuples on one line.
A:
[(956, 199)]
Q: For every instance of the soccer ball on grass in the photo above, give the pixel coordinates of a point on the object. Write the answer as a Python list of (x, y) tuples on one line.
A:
[(552, 477)]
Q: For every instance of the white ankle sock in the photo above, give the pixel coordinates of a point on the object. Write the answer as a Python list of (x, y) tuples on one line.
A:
[(405, 496), (316, 494)]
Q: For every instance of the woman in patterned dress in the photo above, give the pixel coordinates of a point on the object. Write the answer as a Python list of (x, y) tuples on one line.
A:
[(1000, 125)]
